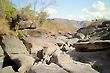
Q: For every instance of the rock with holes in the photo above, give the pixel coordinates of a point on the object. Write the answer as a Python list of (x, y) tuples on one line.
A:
[(13, 45), (71, 66), (44, 68), (23, 61), (7, 69)]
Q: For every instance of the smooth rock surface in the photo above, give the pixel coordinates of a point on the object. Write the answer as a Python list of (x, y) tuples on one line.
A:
[(13, 45), (71, 66), (39, 44), (44, 68)]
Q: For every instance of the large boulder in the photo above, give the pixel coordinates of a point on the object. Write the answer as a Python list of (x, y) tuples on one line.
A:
[(44, 68), (24, 62), (66, 62), (41, 45), (92, 45), (24, 24), (37, 44), (7, 70), (13, 45), (99, 60), (36, 32), (48, 52)]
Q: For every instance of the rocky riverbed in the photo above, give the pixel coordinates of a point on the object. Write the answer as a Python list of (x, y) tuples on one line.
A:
[(41, 52), (53, 54)]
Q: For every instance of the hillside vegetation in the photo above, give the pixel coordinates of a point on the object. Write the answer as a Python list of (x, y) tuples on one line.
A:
[(6, 11), (9, 20), (24, 18)]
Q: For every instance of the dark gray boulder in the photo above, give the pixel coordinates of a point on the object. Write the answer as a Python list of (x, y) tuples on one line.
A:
[(92, 45), (99, 60)]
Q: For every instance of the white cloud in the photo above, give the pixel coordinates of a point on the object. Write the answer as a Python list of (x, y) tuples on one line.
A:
[(51, 11), (97, 10), (99, 6)]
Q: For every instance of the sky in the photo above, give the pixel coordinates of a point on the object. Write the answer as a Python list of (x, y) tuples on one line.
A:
[(72, 9)]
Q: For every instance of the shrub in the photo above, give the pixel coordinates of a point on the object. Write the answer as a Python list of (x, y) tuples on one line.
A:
[(21, 34)]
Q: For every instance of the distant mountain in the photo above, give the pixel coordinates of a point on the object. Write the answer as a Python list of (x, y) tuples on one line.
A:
[(63, 25), (65, 22), (83, 23), (75, 23)]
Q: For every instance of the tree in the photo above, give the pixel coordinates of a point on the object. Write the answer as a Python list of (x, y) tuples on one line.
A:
[(42, 17), (27, 11), (42, 14)]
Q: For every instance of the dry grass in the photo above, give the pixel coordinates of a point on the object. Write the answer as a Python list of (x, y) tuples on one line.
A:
[(4, 28), (56, 28)]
